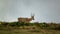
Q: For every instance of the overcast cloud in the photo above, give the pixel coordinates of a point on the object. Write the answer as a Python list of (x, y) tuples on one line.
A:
[(44, 10)]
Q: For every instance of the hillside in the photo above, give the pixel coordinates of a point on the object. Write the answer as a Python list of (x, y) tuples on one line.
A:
[(29, 28)]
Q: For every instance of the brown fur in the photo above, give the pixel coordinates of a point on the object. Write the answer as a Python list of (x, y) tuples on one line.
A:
[(25, 19)]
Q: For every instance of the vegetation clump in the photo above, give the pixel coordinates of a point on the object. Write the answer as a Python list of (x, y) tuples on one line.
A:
[(38, 25)]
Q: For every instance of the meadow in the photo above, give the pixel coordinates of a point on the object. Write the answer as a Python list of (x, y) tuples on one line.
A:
[(29, 28)]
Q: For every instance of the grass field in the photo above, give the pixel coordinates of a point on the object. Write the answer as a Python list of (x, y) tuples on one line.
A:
[(16, 30), (35, 29)]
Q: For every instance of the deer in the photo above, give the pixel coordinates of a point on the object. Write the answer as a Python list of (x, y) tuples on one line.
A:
[(26, 20)]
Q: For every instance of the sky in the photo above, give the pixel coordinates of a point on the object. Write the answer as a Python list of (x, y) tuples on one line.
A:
[(43, 10)]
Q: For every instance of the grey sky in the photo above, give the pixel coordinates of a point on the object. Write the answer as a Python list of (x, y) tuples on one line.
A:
[(44, 10)]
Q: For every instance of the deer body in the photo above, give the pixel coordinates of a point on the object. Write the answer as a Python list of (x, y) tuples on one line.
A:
[(25, 19)]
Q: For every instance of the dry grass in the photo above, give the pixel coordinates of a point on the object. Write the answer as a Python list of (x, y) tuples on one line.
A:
[(33, 28), (17, 30)]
